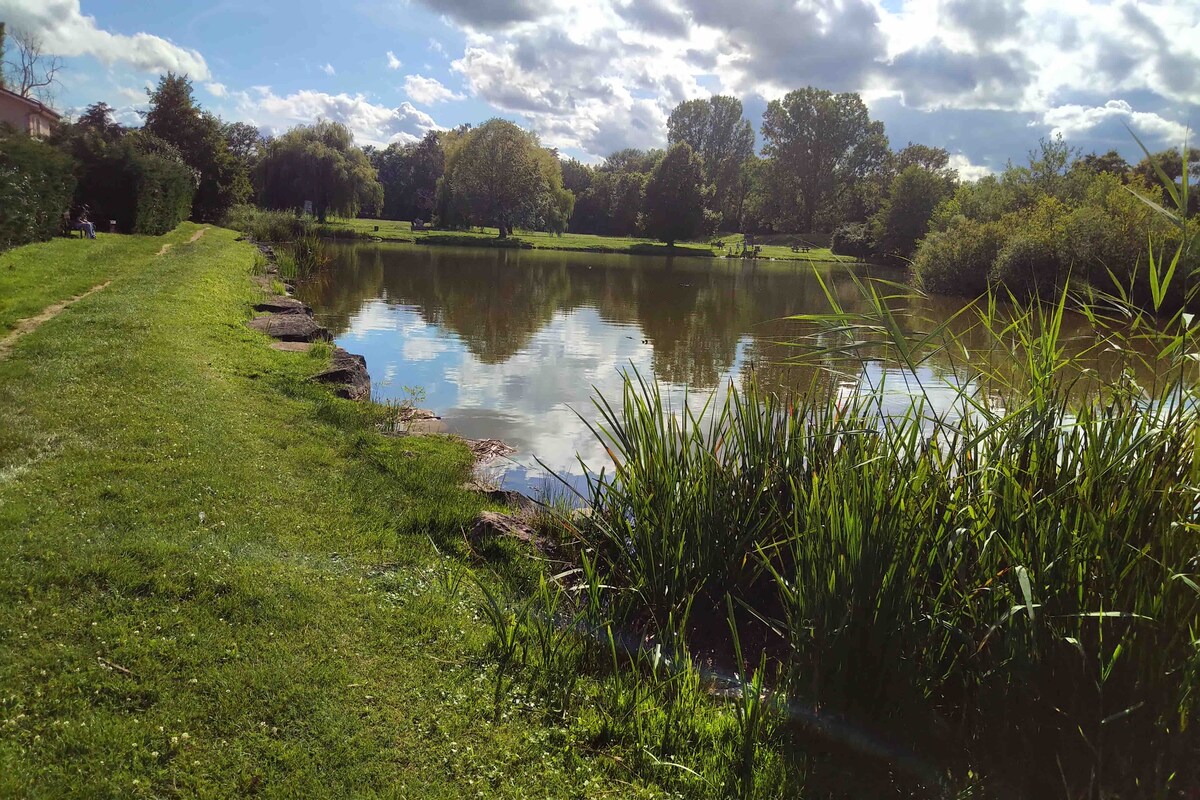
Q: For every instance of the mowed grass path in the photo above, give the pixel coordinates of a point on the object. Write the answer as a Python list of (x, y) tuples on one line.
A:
[(394, 230), (215, 579)]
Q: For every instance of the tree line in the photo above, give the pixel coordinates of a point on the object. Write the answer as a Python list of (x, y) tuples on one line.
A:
[(823, 166)]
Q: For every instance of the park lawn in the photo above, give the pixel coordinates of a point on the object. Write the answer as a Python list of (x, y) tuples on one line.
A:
[(393, 230), (217, 580), (39, 275)]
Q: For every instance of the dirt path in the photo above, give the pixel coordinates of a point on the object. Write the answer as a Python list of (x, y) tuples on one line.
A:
[(195, 236), (30, 324)]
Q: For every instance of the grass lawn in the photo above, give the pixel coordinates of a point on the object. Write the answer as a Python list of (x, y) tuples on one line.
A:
[(392, 230), (218, 581)]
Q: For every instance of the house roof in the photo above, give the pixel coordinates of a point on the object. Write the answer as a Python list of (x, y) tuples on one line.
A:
[(34, 105)]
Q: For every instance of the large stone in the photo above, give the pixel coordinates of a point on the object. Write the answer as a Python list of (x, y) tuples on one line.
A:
[(290, 327), (348, 375), (277, 304), (504, 497), (492, 523)]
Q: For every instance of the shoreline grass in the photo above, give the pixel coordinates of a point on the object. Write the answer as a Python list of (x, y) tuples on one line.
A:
[(217, 580), (398, 231)]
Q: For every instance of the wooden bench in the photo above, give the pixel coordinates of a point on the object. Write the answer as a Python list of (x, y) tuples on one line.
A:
[(800, 248)]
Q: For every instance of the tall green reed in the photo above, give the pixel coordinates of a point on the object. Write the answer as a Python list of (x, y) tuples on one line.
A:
[(1004, 578)]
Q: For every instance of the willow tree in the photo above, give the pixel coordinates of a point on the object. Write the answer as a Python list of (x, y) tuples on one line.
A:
[(499, 174), (321, 164)]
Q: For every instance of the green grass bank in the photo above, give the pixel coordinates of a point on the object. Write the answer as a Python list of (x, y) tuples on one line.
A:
[(265, 226), (217, 580)]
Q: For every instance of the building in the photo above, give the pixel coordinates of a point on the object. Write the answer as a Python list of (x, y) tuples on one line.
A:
[(26, 114)]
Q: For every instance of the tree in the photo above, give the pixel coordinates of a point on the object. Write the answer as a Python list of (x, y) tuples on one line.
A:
[(1111, 162), (816, 141), (674, 204), (903, 220), (31, 72), (317, 163), (631, 160), (576, 176), (174, 117), (409, 174), (244, 141), (502, 175), (932, 159), (714, 129)]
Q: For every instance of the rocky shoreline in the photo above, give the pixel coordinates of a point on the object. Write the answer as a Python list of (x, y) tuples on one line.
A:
[(290, 322)]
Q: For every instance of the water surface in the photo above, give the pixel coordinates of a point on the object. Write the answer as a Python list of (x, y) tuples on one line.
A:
[(514, 344)]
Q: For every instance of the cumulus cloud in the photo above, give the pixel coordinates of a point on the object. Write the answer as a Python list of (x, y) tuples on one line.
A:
[(771, 47), (986, 21), (428, 90), (933, 75), (392, 61), (654, 16), (66, 31), (370, 123), (486, 14), (216, 89), (1074, 121), (966, 170)]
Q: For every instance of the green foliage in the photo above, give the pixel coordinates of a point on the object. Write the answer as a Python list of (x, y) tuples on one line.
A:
[(409, 175), (853, 239), (317, 163), (675, 199), (715, 130), (903, 219), (202, 141), (1002, 590), (958, 259), (815, 142), (1056, 220), (132, 177), (36, 185), (498, 174)]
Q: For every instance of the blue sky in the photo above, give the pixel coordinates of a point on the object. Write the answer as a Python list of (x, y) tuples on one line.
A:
[(983, 78)]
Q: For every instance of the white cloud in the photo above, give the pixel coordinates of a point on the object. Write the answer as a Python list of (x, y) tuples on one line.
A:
[(392, 61), (216, 89), (370, 123), (328, 69), (1073, 121), (428, 90), (65, 31), (966, 170)]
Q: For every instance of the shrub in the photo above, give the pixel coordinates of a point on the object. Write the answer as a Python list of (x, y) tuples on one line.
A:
[(852, 239), (36, 185), (1029, 266), (163, 190), (267, 226), (958, 260), (136, 180)]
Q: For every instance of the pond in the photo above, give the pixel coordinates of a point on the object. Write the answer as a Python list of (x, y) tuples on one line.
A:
[(514, 344)]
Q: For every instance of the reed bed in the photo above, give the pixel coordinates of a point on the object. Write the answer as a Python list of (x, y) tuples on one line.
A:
[(995, 595)]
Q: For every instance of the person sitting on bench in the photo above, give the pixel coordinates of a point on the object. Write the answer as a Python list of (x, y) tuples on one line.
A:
[(84, 224)]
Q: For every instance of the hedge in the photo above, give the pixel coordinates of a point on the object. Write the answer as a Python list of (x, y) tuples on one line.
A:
[(36, 184), (164, 190), (143, 192)]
